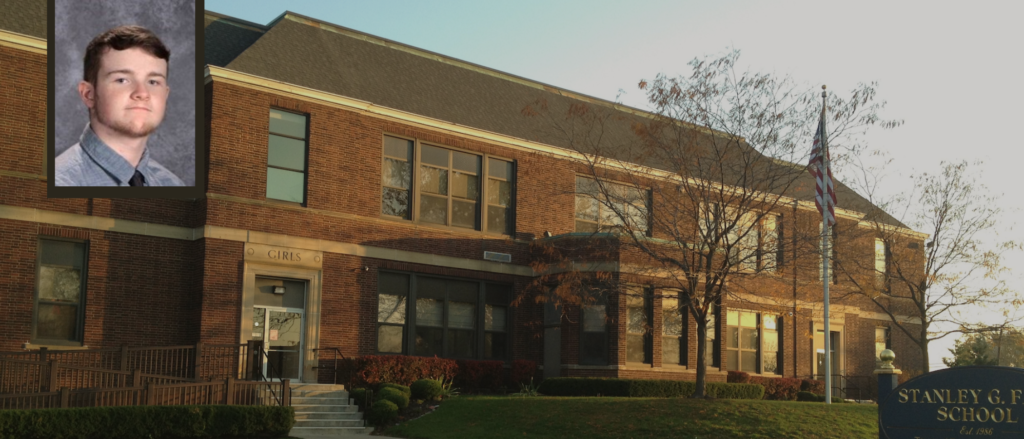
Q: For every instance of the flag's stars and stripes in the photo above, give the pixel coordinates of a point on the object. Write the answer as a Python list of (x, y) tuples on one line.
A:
[(823, 180)]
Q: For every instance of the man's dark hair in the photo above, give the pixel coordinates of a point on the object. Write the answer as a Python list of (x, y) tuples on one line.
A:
[(121, 38)]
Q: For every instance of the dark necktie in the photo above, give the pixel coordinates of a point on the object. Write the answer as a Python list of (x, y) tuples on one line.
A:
[(137, 179)]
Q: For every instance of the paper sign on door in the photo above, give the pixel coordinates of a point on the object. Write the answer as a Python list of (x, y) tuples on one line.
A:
[(273, 334)]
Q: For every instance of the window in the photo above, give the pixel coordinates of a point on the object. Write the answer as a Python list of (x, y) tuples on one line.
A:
[(770, 344), (831, 256), (881, 265), (638, 340), (770, 252), (743, 237), (448, 187), (673, 351), (594, 343), (442, 317), (499, 196), (392, 301), (397, 178), (60, 292), (753, 342), (881, 342), (624, 207), (496, 322), (711, 349), (286, 157)]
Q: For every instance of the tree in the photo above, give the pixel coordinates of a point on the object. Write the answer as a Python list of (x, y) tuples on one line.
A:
[(971, 350), (962, 261), (689, 198)]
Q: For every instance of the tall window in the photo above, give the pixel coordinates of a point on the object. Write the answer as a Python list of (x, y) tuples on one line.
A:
[(496, 322), (770, 345), (594, 343), (499, 196), (881, 342), (770, 250), (832, 274), (60, 291), (596, 212), (638, 346), (397, 178), (286, 157), (742, 341), (711, 353), (449, 185), (744, 240), (753, 342), (392, 301), (672, 332), (881, 265)]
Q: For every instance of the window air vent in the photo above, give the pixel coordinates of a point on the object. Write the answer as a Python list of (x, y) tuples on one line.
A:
[(498, 257)]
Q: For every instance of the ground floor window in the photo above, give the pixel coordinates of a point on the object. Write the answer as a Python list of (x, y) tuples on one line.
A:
[(673, 334), (638, 337), (594, 338), (60, 292), (444, 317), (752, 343), (881, 342)]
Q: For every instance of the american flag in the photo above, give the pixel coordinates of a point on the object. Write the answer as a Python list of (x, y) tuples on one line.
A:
[(817, 163)]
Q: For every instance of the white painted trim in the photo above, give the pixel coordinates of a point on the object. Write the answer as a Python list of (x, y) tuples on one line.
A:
[(22, 42)]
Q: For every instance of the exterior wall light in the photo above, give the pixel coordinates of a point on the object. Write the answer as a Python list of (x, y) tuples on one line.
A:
[(279, 289)]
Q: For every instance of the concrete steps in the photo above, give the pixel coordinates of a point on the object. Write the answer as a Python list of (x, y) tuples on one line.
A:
[(325, 410)]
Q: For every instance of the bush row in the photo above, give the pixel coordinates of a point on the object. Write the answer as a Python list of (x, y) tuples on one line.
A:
[(373, 370), (782, 389), (812, 397), (166, 422), (645, 388)]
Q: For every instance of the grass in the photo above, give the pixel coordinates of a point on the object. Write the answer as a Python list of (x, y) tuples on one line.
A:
[(546, 417)]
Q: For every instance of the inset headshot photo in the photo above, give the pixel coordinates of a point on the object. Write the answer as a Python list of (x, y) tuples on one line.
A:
[(124, 93)]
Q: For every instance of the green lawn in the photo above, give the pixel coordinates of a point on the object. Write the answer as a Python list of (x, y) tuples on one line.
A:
[(544, 417)]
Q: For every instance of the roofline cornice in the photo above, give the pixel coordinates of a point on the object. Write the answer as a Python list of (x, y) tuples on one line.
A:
[(22, 42), (214, 73), (237, 21)]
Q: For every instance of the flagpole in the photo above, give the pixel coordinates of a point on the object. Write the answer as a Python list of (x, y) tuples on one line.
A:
[(824, 250)]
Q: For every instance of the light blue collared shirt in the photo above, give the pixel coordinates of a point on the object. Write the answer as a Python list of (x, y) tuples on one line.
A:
[(90, 162)]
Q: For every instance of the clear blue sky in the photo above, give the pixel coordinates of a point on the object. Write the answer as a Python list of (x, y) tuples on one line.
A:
[(951, 70)]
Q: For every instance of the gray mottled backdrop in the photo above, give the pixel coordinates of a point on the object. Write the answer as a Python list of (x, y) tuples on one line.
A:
[(78, 21)]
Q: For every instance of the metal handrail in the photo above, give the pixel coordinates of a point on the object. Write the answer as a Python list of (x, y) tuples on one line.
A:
[(336, 352), (270, 376)]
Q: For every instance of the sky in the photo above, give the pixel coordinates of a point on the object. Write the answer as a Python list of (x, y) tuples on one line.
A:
[(950, 70)]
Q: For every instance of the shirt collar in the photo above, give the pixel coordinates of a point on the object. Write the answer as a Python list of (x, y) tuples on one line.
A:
[(110, 160)]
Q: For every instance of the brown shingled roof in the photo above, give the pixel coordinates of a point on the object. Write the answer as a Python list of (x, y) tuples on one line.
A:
[(311, 53)]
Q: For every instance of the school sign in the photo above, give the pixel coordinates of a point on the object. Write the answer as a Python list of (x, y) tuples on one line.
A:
[(960, 402)]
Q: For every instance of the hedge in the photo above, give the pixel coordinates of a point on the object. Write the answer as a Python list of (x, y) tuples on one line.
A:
[(777, 388), (372, 370), (811, 397), (480, 375), (165, 422), (645, 388)]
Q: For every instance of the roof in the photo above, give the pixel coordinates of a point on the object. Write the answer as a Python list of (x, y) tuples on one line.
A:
[(304, 51), (26, 17)]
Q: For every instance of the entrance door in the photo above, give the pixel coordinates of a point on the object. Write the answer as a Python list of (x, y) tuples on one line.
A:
[(278, 321)]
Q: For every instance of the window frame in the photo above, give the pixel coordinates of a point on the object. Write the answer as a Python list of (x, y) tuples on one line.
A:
[(605, 228), (83, 289), (305, 157), (762, 251), (882, 280), (588, 361), (479, 331), (646, 336), (404, 326), (682, 340), (758, 351), (481, 201), (888, 341)]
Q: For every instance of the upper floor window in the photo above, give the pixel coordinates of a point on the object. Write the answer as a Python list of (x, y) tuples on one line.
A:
[(444, 187), (286, 157), (770, 251), (881, 265), (60, 292), (619, 206), (753, 244)]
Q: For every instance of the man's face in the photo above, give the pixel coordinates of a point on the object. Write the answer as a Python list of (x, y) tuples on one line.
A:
[(130, 92)]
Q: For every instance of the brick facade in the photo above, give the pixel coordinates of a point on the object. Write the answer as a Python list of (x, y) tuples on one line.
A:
[(144, 288)]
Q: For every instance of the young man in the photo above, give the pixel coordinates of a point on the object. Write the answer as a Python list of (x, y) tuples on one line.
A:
[(125, 88)]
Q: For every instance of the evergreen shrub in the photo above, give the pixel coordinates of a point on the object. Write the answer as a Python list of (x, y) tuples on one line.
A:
[(394, 395), (382, 412), (426, 389), (404, 389)]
